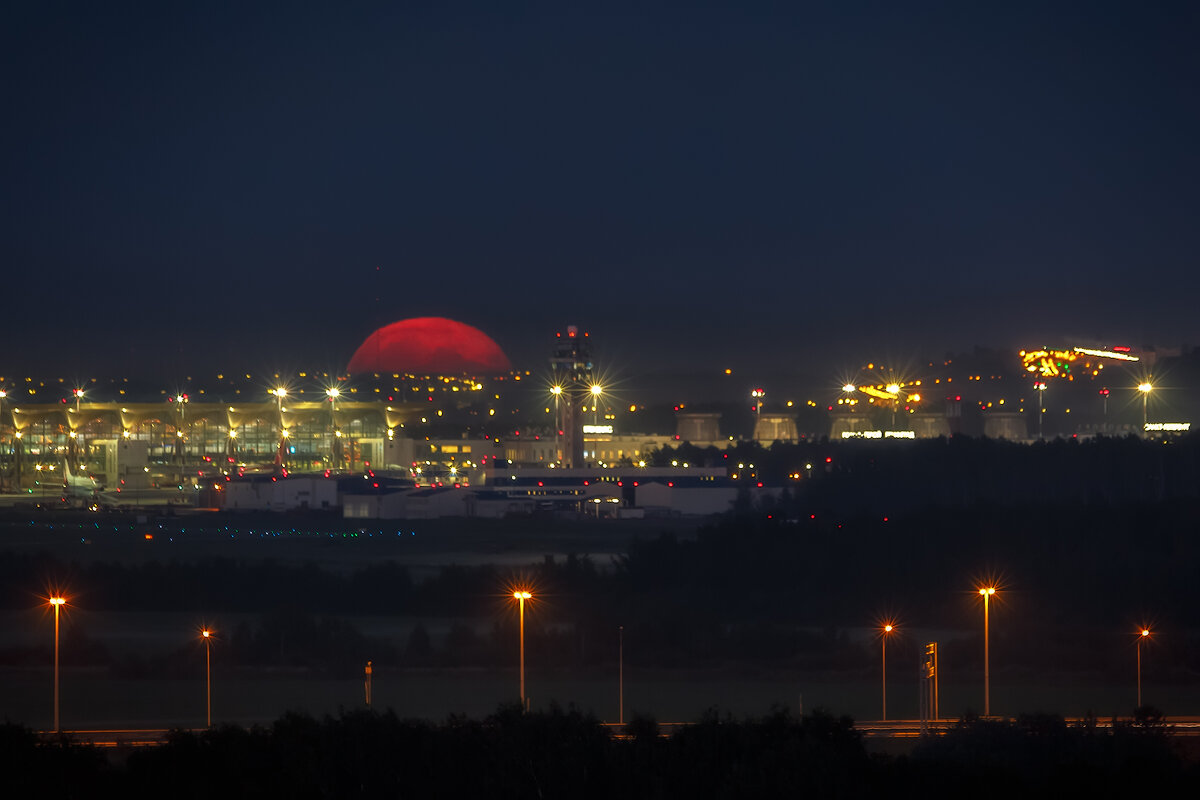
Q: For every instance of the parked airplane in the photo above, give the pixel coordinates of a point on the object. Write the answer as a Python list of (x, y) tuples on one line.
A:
[(79, 485)]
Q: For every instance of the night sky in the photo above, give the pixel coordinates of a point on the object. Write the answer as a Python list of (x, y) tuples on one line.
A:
[(258, 186)]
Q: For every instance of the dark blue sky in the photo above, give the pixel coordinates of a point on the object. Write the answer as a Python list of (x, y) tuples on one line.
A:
[(746, 184)]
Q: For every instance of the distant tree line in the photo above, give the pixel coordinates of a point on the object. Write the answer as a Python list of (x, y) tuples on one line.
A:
[(891, 477), (564, 753)]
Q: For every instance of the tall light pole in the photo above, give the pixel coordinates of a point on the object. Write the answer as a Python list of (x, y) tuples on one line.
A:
[(621, 674), (894, 389), (281, 451), (3, 452), (987, 593), (335, 455), (58, 603), (522, 595), (597, 390), (207, 636), (1041, 387), (887, 629), (557, 391), (1145, 387), (1142, 636)]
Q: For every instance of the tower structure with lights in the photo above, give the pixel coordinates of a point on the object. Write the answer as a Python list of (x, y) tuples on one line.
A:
[(572, 371)]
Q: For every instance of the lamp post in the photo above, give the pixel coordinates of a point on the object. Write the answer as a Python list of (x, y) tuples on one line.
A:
[(335, 455), (894, 389), (522, 595), (621, 674), (1041, 387), (207, 636), (281, 450), (557, 391), (887, 629), (987, 696), (1142, 636), (1145, 387), (597, 390), (57, 602), (3, 452)]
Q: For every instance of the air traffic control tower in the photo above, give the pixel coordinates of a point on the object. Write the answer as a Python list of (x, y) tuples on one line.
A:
[(571, 368)]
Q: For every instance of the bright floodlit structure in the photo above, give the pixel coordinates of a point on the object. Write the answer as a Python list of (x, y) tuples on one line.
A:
[(521, 596), (987, 593), (57, 603), (887, 630), (207, 636), (1143, 635)]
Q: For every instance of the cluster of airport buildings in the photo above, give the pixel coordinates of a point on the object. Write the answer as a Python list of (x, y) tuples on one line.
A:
[(377, 446)]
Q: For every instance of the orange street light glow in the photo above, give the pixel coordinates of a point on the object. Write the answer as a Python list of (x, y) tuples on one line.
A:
[(57, 601), (522, 595)]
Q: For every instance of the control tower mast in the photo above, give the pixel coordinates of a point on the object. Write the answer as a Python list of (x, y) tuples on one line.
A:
[(571, 368)]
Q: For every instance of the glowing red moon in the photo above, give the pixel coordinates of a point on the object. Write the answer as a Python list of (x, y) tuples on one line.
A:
[(429, 346)]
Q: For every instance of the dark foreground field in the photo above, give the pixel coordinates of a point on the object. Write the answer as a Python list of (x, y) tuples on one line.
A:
[(564, 753)]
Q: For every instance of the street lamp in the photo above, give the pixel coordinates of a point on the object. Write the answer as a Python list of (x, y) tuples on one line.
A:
[(1142, 636), (987, 695), (557, 391), (597, 390), (522, 595), (3, 453), (1041, 387), (1145, 387), (894, 389), (57, 602), (621, 674), (887, 629), (207, 636), (335, 450), (281, 452)]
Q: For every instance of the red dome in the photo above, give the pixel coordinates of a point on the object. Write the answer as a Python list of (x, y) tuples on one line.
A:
[(429, 346)]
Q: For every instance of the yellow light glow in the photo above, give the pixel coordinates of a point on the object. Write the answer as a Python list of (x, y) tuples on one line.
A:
[(597, 389), (522, 595), (58, 601), (555, 390), (1144, 388), (990, 590)]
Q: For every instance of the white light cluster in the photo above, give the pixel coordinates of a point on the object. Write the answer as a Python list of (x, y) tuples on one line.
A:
[(879, 435), (1168, 426)]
